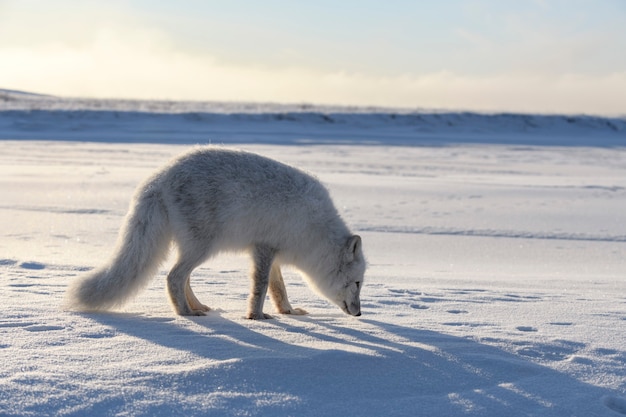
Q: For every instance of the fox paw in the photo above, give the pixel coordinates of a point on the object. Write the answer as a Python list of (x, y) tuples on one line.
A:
[(195, 313), (201, 307), (192, 311), (295, 311), (256, 316)]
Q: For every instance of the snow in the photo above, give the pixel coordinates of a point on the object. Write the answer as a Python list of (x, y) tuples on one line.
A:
[(495, 286), (27, 116)]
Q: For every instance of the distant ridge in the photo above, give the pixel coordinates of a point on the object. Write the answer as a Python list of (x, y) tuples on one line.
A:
[(4, 91), (25, 100), (22, 100), (25, 115)]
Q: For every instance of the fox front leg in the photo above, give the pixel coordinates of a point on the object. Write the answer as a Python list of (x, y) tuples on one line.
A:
[(278, 293), (262, 256)]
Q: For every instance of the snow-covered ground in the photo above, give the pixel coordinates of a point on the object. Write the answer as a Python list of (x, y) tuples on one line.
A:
[(496, 282)]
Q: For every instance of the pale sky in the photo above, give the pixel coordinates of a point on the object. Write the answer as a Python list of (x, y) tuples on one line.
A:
[(563, 56)]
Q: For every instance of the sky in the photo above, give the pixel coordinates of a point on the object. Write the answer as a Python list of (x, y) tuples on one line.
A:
[(543, 56)]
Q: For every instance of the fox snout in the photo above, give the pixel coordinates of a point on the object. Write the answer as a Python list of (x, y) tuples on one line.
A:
[(353, 309)]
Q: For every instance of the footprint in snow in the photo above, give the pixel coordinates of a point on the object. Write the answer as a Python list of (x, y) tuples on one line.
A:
[(99, 334), (32, 265), (606, 352), (404, 292), (526, 329), (43, 328), (20, 285), (465, 324), (557, 350), (617, 404), (580, 360)]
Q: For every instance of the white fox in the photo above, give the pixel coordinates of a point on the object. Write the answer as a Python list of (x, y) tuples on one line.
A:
[(212, 200)]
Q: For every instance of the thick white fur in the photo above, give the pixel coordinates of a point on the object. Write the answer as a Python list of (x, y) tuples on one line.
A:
[(212, 200)]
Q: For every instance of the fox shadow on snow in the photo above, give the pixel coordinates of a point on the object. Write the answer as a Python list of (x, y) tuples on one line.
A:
[(417, 369)]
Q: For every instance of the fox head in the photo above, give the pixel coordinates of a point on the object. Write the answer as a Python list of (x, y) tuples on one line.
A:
[(345, 288)]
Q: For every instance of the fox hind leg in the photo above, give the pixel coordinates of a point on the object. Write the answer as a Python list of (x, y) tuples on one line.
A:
[(278, 293), (182, 297)]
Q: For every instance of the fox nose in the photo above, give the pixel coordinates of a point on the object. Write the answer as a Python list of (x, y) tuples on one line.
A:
[(354, 311)]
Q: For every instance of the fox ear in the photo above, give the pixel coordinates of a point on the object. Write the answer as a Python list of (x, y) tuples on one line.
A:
[(353, 248)]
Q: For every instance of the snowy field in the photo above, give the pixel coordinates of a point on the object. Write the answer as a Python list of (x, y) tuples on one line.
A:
[(496, 280)]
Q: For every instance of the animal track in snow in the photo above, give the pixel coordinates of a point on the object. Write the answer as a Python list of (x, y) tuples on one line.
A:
[(580, 360), (466, 324), (526, 329), (33, 265), (405, 292), (100, 334), (43, 328), (432, 299), (557, 350), (617, 404), (22, 285)]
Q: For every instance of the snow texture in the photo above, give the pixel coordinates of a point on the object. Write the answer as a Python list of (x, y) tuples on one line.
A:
[(495, 284)]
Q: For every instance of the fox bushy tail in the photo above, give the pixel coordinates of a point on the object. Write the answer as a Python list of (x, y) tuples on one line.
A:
[(142, 245)]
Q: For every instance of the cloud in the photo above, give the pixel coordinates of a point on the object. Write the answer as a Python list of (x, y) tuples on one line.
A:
[(119, 63)]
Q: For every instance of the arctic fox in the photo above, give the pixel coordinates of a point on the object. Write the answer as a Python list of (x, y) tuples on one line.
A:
[(213, 200)]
